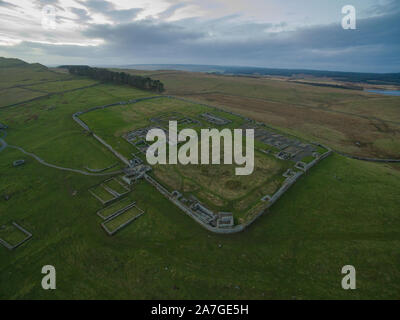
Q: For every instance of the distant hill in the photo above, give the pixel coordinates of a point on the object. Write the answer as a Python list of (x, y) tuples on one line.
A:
[(372, 78), (11, 62), (16, 76)]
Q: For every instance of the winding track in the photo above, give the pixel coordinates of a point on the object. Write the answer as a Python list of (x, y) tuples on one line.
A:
[(40, 160)]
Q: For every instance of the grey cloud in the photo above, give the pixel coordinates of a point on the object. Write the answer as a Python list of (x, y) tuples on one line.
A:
[(97, 5), (82, 14), (143, 33), (123, 15), (41, 3), (170, 11), (373, 47), (387, 7), (108, 9)]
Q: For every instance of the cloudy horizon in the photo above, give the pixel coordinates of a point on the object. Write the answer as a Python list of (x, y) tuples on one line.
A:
[(260, 33)]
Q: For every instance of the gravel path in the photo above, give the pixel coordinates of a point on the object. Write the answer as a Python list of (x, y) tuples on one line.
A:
[(62, 168), (3, 145)]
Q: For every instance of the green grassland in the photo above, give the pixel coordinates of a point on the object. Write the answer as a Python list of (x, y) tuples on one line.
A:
[(59, 86), (19, 73), (342, 212), (296, 251), (45, 127), (217, 185), (15, 95)]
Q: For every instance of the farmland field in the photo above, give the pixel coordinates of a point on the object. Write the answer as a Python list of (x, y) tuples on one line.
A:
[(342, 212)]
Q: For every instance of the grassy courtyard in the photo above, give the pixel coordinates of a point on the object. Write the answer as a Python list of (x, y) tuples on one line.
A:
[(215, 185)]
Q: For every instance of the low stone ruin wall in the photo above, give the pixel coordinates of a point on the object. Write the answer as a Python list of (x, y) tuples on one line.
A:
[(369, 159), (12, 247), (115, 153)]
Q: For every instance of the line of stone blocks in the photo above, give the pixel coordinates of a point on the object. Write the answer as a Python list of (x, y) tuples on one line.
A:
[(111, 233), (13, 247), (115, 214)]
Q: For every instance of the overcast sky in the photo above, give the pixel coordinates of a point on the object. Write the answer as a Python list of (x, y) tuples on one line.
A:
[(267, 33)]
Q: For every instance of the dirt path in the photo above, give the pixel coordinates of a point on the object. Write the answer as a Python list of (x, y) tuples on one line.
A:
[(62, 168), (3, 145)]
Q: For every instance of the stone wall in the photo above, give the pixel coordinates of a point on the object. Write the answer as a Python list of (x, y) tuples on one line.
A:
[(369, 159), (12, 247), (117, 154)]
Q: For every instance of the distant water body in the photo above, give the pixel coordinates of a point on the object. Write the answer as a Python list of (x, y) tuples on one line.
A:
[(386, 92)]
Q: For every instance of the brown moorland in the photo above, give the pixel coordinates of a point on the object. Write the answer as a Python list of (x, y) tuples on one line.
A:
[(350, 121)]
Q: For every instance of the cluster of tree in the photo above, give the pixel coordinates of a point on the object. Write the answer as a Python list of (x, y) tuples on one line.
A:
[(106, 75)]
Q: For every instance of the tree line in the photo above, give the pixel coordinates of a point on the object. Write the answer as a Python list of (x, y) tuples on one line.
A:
[(106, 75)]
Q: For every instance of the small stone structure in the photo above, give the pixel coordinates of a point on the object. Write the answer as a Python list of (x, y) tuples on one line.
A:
[(176, 194), (133, 174), (203, 213), (174, 116), (225, 220), (282, 155), (301, 165), (289, 173), (18, 163), (3, 126), (137, 138), (266, 198), (214, 119), (288, 149), (135, 161)]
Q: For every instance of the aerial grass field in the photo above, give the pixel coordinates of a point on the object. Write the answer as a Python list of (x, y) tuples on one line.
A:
[(165, 255), (342, 212)]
